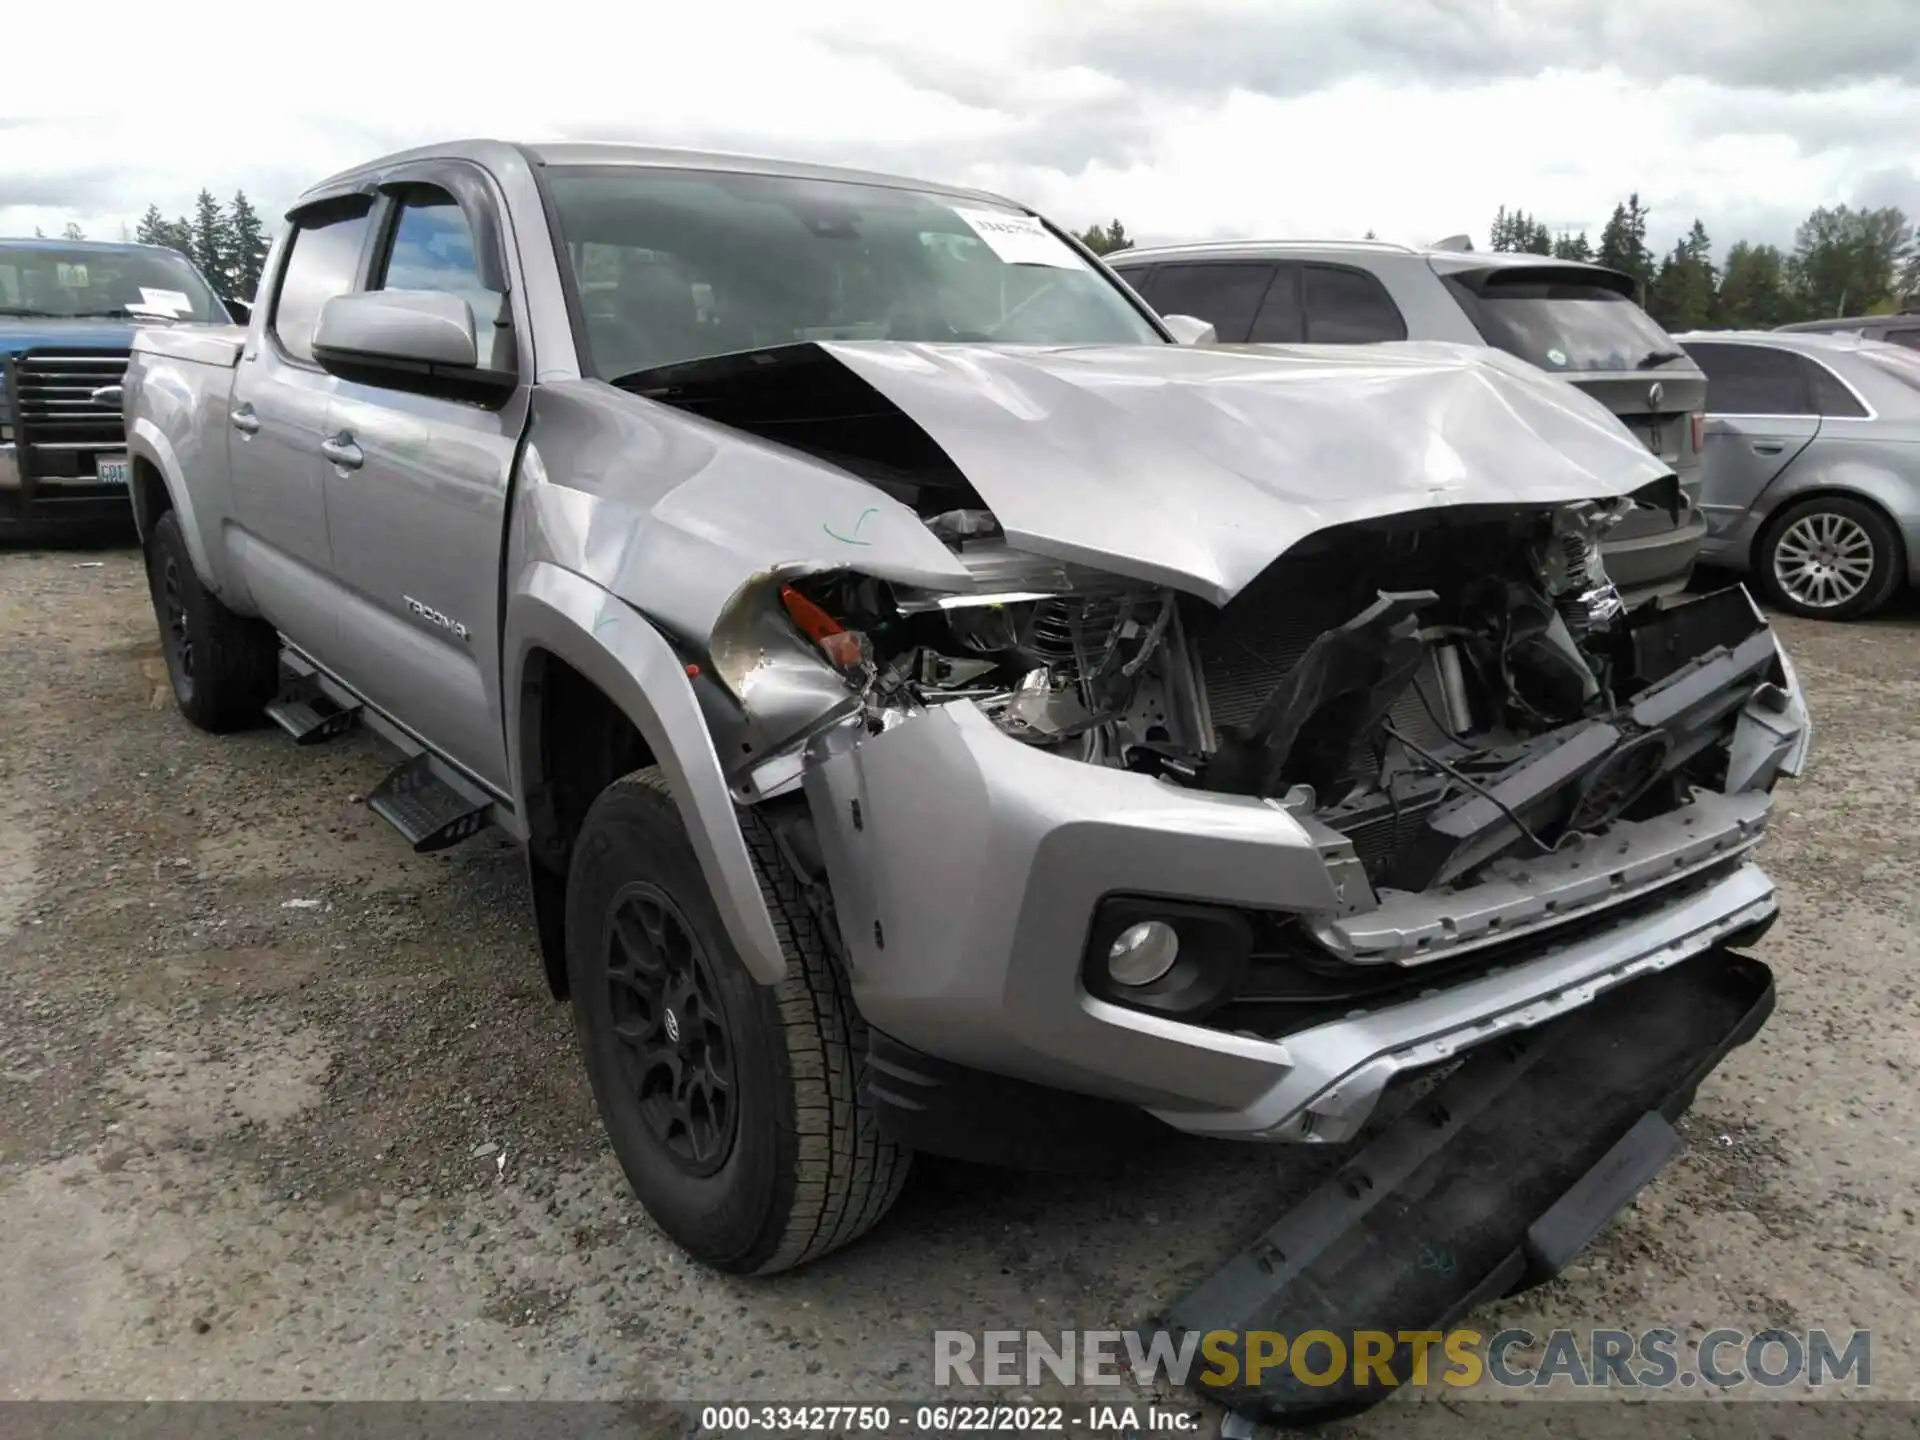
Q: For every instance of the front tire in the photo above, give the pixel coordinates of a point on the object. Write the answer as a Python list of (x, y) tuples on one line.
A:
[(734, 1107), (1829, 558), (223, 666)]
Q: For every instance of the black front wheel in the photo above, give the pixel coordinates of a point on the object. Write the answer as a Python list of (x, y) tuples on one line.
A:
[(734, 1107), (223, 666)]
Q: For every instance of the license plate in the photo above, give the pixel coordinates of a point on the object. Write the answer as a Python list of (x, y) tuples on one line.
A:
[(111, 469)]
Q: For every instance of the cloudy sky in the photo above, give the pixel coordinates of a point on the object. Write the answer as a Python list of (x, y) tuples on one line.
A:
[(1185, 118)]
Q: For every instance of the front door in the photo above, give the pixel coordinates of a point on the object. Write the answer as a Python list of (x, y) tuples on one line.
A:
[(416, 495)]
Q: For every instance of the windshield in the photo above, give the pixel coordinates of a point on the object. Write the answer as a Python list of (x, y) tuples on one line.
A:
[(51, 282), (676, 265), (1562, 324)]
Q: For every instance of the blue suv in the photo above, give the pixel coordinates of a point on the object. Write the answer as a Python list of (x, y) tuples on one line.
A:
[(68, 310)]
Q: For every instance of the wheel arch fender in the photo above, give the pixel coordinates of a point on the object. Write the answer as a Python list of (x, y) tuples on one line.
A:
[(1848, 479), (148, 444), (620, 652)]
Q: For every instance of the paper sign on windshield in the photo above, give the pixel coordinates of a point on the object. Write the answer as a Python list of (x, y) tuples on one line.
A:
[(71, 277), (1020, 239), (165, 302)]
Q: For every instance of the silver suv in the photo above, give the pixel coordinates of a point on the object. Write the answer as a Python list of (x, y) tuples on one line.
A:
[(1572, 320)]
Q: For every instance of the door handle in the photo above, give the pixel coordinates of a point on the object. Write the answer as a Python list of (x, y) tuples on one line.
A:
[(244, 420), (1767, 447), (341, 450)]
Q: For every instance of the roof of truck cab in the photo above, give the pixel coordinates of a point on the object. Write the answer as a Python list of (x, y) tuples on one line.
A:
[(604, 153)]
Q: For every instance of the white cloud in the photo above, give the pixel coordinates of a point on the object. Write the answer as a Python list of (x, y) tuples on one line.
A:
[(1062, 107)]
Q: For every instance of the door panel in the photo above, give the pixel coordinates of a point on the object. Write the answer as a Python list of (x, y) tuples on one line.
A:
[(417, 532), (1743, 455), (277, 421)]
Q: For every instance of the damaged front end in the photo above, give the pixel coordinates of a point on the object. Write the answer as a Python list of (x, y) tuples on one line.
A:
[(1448, 716), (1238, 827)]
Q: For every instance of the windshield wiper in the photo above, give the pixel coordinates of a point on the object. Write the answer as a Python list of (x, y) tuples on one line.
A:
[(1659, 357), (124, 314), (30, 314)]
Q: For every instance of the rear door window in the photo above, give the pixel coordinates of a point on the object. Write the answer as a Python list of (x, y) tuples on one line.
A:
[(322, 263), (1225, 294), (1908, 336), (1348, 307), (1754, 380), (1830, 396), (1561, 320)]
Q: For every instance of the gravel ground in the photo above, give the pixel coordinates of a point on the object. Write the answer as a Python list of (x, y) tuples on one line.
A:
[(286, 1112)]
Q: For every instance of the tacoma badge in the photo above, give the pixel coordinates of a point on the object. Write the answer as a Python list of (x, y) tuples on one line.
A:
[(434, 617)]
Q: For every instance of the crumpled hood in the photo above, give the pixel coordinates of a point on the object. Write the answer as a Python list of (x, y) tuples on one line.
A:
[(1197, 467)]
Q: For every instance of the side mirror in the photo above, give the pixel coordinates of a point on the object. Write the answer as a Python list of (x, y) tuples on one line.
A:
[(241, 311), (404, 339), (1190, 330)]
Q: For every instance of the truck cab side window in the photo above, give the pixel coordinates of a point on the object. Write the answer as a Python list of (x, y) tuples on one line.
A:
[(321, 264)]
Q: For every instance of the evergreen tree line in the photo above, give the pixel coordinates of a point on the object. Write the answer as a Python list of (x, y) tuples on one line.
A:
[(227, 242), (1843, 262)]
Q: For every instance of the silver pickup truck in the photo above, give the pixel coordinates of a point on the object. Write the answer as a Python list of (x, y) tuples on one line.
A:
[(944, 713)]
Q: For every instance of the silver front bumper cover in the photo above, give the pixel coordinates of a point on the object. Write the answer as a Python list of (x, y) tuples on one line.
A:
[(1575, 881), (966, 868)]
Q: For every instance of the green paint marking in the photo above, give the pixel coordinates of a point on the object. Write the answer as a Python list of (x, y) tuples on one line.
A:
[(853, 539)]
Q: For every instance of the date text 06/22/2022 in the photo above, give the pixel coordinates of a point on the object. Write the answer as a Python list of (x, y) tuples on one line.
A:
[(1120, 1418)]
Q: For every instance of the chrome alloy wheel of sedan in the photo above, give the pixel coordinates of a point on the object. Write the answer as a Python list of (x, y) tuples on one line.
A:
[(1823, 560)]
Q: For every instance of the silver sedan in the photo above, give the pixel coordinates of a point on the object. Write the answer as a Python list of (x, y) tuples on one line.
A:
[(1812, 467)]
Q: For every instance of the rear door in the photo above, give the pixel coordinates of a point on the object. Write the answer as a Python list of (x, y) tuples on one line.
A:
[(277, 419), (1762, 411), (417, 484)]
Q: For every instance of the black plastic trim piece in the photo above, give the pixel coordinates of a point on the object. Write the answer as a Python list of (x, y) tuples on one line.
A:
[(1486, 1186)]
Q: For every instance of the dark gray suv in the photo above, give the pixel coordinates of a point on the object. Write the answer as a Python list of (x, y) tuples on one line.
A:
[(1578, 321)]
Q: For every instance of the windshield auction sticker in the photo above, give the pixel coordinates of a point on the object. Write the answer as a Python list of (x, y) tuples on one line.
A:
[(1020, 239)]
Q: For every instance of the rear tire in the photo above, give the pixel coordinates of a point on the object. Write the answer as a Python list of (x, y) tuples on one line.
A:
[(734, 1107), (1829, 558), (224, 667)]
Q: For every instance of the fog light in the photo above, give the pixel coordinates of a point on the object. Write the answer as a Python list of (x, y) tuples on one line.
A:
[(1142, 953)]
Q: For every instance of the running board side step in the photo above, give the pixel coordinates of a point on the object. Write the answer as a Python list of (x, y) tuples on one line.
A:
[(1486, 1186), (307, 711), (430, 805)]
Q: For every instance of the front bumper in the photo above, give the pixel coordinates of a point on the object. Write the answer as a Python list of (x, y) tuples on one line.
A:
[(966, 868), (27, 501)]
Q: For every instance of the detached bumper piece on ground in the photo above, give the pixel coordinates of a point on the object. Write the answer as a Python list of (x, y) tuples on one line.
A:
[(1486, 1186)]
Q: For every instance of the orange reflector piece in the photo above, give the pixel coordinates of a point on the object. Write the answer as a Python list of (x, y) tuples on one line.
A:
[(814, 622), (839, 644)]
